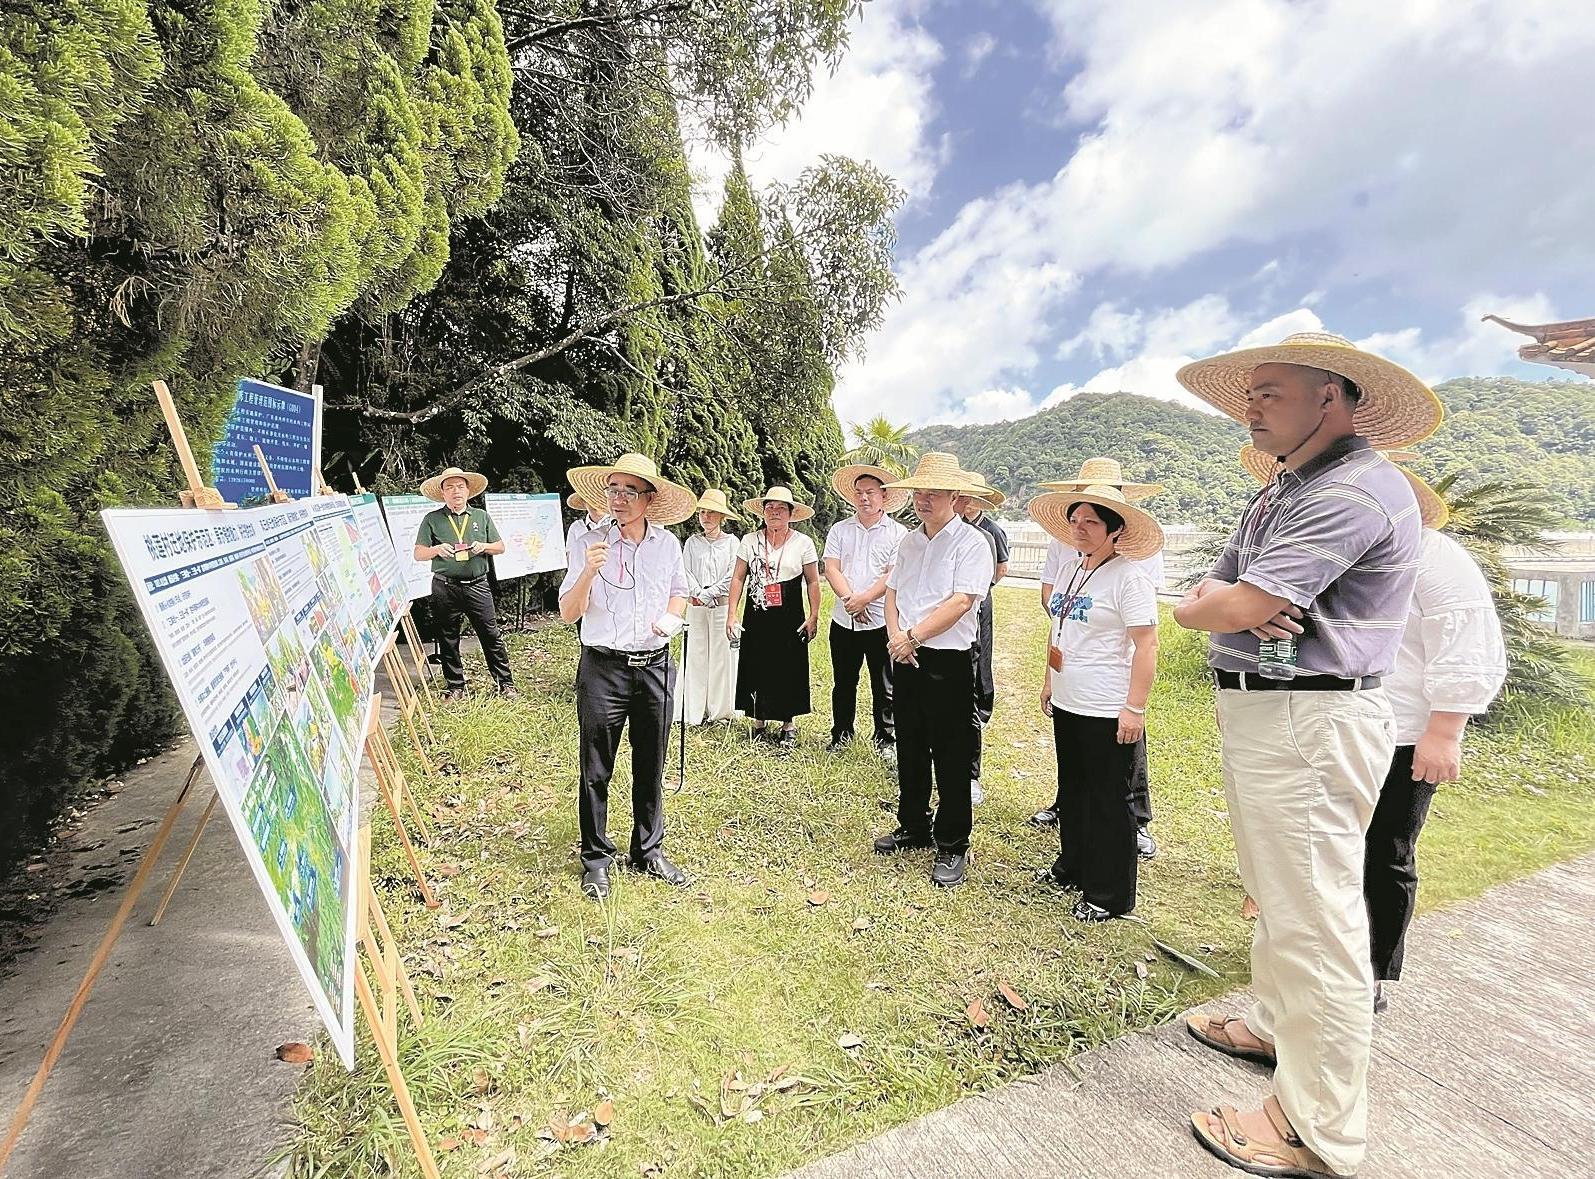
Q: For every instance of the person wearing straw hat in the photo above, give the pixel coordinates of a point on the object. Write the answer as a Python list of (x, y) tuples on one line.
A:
[(1306, 608), (709, 677), (779, 567), (1451, 664), (1106, 472), (943, 569), (458, 539), (972, 510), (1101, 662), (629, 588), (591, 516), (859, 554)]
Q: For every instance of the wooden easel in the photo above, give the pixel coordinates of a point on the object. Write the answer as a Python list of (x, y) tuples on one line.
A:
[(412, 642), (411, 710), (274, 495), (395, 791)]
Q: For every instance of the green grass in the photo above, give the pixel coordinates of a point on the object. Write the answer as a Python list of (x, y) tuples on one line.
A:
[(670, 1002)]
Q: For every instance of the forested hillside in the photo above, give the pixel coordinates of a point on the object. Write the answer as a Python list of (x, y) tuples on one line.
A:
[(1542, 433)]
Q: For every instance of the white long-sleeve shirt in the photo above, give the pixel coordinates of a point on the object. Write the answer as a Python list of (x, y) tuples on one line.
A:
[(709, 565), (1452, 657)]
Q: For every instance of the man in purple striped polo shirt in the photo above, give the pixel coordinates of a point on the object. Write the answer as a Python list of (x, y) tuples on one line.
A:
[(1325, 559)]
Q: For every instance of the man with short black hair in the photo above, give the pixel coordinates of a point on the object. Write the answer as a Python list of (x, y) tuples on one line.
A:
[(458, 539)]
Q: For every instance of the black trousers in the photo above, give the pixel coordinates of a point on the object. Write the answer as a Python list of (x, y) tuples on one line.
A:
[(1390, 871), (934, 702), (450, 599), (609, 693), (1140, 786), (850, 650), (1096, 821), (985, 683)]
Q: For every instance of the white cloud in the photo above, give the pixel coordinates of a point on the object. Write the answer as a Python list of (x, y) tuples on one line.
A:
[(995, 405), (976, 50)]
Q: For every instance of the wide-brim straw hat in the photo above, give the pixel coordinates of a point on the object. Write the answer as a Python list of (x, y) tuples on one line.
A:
[(938, 471), (575, 502), (1396, 408), (989, 494), (780, 495), (842, 483), (1142, 535), (672, 503), (475, 483), (714, 500), (1104, 472), (1436, 513)]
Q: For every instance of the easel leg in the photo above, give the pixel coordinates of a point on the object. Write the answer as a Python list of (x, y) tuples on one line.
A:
[(101, 956), (401, 1089), (427, 898), (182, 864)]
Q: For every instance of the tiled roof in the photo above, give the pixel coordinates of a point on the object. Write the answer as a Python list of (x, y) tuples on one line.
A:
[(1569, 345)]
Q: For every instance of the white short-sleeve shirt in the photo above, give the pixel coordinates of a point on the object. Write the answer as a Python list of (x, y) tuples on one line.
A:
[(632, 590), (929, 569), (1091, 631), (864, 554), (787, 558)]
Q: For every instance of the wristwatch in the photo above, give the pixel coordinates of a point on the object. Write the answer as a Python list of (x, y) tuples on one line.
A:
[(913, 638)]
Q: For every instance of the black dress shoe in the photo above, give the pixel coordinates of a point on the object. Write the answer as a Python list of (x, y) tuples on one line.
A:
[(901, 840), (508, 690), (787, 740), (948, 871), (1086, 911), (661, 868), (1046, 817), (595, 883), (1054, 877), (838, 744), (1145, 845)]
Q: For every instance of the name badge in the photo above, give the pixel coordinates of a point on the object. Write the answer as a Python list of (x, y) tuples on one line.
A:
[(1054, 658), (462, 552), (772, 594)]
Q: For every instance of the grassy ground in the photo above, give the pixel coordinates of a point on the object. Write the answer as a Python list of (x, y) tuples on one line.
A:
[(804, 993)]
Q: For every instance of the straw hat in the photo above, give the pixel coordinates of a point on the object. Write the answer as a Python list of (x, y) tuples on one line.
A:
[(1434, 510), (938, 471), (1104, 472), (475, 483), (575, 502), (714, 500), (1396, 409), (672, 503), (842, 483), (780, 495), (989, 494), (1142, 535)]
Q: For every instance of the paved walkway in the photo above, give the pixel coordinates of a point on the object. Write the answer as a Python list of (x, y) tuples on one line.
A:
[(1484, 1066)]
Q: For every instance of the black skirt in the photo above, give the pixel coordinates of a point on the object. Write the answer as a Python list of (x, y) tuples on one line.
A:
[(773, 663)]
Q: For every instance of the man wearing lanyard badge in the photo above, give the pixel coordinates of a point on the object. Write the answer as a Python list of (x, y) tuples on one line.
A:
[(458, 539)]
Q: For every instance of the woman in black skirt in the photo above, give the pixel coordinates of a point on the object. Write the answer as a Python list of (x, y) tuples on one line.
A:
[(777, 564), (1101, 661)]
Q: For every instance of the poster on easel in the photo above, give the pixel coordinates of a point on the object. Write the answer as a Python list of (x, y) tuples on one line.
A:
[(404, 514), (286, 425), (533, 532), (269, 622)]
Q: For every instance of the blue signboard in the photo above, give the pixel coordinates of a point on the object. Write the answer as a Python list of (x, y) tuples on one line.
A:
[(286, 425)]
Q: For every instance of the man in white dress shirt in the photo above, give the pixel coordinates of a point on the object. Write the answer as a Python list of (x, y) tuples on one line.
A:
[(859, 554), (944, 568), (629, 589)]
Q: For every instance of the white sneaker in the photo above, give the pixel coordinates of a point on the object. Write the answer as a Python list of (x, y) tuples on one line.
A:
[(976, 794)]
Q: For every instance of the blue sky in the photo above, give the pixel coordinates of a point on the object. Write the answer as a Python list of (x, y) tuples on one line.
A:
[(1101, 191)]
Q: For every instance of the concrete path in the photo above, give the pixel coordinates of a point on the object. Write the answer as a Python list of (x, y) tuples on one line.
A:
[(1484, 1066)]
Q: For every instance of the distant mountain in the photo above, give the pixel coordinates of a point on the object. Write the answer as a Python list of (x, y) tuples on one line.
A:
[(1496, 428)]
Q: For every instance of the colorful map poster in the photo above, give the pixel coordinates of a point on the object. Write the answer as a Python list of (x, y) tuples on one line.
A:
[(269, 621), (404, 514), (286, 425), (532, 530)]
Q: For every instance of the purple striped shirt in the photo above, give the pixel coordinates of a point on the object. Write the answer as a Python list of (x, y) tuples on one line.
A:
[(1339, 538)]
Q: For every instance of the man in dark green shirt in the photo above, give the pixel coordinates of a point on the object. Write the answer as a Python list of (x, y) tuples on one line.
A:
[(458, 539)]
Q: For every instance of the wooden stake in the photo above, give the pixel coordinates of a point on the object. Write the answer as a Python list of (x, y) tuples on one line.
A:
[(182, 864), (197, 495), (396, 794), (273, 494)]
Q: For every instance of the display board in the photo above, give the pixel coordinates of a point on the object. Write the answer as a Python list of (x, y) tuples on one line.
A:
[(533, 532), (269, 622), (404, 514), (286, 425)]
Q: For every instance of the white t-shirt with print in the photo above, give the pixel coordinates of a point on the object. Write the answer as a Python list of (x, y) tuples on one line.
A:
[(1092, 634)]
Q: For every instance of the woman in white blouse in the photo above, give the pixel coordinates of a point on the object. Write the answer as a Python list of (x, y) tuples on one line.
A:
[(709, 673), (776, 564), (1101, 661)]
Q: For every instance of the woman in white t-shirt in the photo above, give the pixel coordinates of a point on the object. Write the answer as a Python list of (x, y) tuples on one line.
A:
[(707, 688), (776, 564), (1101, 661)]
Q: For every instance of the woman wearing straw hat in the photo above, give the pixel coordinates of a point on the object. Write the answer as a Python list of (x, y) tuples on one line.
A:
[(458, 539), (1101, 661), (943, 569), (1306, 608), (629, 588), (1451, 664), (776, 564), (1106, 472), (859, 554), (708, 690)]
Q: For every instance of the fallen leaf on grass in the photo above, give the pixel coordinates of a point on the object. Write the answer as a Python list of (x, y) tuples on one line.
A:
[(446, 1145), (860, 924), (447, 870), (1011, 997), (1140, 970), (604, 1115), (480, 1081), (541, 983), (850, 1042), (548, 932), (505, 1158), (484, 1120), (818, 897), (294, 1052), (474, 1136), (976, 1012)]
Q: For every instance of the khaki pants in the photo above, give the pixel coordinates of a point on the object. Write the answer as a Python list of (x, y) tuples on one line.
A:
[(708, 691), (1302, 772)]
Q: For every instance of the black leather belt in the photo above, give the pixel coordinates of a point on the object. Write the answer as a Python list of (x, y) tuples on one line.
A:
[(632, 658), (459, 580), (1250, 681)]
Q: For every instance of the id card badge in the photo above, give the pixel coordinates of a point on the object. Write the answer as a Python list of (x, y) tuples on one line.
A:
[(772, 594), (462, 552), (1054, 658)]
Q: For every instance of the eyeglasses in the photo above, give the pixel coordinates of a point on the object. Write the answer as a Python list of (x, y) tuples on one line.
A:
[(630, 494)]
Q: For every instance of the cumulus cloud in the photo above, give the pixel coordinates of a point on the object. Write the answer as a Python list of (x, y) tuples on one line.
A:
[(994, 405)]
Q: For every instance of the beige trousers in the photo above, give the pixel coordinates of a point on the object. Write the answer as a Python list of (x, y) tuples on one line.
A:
[(1302, 772), (708, 690)]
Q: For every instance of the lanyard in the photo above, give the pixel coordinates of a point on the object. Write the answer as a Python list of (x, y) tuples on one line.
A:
[(456, 526), (773, 567)]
